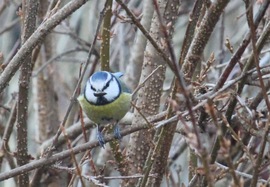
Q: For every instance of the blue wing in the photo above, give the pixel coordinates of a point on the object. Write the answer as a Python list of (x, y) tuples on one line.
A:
[(118, 74)]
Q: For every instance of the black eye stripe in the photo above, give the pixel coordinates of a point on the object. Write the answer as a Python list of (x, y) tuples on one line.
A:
[(107, 84), (93, 88)]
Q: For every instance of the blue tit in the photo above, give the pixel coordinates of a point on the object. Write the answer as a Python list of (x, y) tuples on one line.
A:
[(105, 99)]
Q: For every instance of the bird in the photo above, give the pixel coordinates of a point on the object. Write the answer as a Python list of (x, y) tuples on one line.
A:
[(105, 99)]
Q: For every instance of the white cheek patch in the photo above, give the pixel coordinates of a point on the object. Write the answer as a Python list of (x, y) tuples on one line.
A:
[(89, 93), (113, 90)]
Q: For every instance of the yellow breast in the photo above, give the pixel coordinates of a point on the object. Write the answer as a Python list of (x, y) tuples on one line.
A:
[(102, 114)]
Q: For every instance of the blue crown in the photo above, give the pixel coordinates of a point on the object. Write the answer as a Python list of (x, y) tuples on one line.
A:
[(99, 76)]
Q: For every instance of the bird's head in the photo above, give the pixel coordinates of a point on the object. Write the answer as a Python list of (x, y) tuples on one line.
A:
[(102, 88)]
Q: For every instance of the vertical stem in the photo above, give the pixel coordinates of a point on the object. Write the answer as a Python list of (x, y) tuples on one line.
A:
[(105, 66), (106, 35), (30, 8), (256, 61), (190, 32)]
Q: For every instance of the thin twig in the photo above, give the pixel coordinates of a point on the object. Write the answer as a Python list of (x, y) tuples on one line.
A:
[(7, 133), (256, 55), (204, 98), (178, 73), (72, 171), (78, 169), (193, 57), (75, 50), (239, 52), (74, 95), (256, 60), (242, 174), (146, 34), (144, 81), (36, 38)]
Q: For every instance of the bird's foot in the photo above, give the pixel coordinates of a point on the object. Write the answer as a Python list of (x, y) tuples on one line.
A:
[(100, 138), (116, 131)]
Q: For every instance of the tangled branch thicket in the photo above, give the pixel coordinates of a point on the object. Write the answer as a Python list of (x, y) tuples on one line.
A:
[(200, 109)]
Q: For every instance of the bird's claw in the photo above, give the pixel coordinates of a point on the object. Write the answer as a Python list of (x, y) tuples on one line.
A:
[(100, 138), (116, 131)]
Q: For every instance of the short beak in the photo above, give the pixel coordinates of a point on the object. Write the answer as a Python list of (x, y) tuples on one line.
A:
[(99, 94)]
